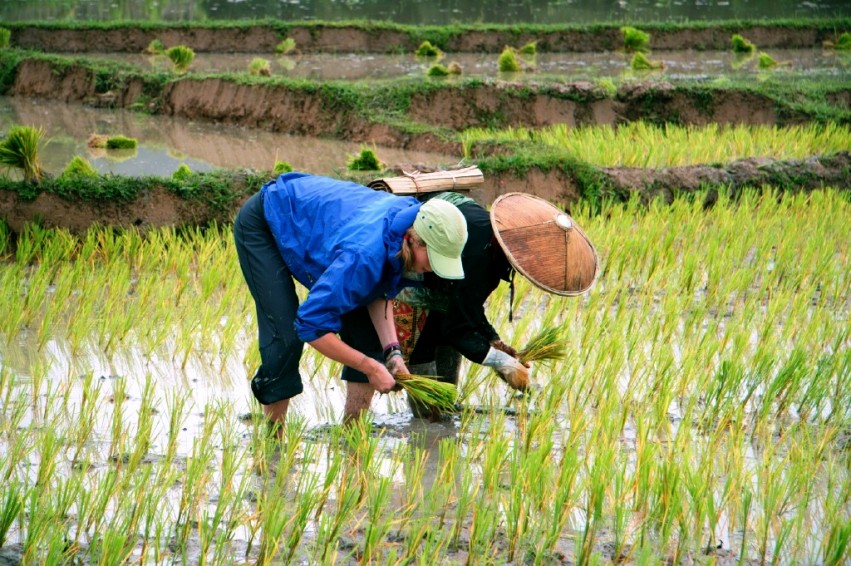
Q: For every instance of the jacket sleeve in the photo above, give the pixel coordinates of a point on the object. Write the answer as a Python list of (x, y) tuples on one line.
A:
[(352, 280), (465, 326)]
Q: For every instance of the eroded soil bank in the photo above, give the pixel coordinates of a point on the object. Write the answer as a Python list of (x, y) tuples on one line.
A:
[(420, 119), (331, 38), (159, 207)]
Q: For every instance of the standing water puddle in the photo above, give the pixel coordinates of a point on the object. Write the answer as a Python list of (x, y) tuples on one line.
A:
[(166, 142)]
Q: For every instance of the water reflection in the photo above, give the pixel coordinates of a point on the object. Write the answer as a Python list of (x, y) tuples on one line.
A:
[(166, 142), (418, 12)]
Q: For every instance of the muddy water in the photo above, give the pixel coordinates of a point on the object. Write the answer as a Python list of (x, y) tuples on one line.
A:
[(165, 142), (570, 66)]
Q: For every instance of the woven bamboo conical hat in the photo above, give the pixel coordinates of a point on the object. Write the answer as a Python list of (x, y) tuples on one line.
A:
[(544, 244)]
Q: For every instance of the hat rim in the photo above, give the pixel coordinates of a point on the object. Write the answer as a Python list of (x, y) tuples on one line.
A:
[(444, 266), (516, 265)]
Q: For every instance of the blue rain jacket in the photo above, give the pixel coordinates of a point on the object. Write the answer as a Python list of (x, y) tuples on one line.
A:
[(340, 240)]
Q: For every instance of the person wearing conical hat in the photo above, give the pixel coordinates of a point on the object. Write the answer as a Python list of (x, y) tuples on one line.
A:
[(443, 320)]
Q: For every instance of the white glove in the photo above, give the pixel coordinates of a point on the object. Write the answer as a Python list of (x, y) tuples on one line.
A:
[(509, 368)]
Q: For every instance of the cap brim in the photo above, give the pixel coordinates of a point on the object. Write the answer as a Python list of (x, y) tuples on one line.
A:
[(444, 266)]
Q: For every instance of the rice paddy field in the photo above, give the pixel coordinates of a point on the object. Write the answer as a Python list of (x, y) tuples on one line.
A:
[(700, 416)]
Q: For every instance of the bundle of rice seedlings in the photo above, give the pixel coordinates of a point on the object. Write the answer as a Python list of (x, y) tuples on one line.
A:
[(545, 346), (427, 390), (20, 149)]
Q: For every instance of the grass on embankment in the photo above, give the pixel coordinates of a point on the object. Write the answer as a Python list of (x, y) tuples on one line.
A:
[(389, 37), (639, 144)]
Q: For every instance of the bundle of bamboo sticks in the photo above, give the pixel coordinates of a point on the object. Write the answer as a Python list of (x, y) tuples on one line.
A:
[(414, 182)]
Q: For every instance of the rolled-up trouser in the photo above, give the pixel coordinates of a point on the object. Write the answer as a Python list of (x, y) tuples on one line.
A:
[(273, 289)]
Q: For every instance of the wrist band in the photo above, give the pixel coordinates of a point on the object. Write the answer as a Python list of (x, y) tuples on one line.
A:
[(390, 348), (393, 352)]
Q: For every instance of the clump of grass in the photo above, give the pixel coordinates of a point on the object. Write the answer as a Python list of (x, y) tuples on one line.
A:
[(181, 56), (530, 48), (79, 167), (182, 173), (5, 37), (426, 49), (366, 160), (507, 61), (844, 43), (281, 167), (20, 150), (428, 391), (120, 142), (766, 61), (260, 66), (286, 46), (155, 47), (640, 62), (546, 346), (438, 70), (741, 45), (635, 40), (606, 86)]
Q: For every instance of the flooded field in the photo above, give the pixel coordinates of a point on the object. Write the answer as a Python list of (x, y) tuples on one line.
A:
[(701, 414), (165, 142), (801, 63)]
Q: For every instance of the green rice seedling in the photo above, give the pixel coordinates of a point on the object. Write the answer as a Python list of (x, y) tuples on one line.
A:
[(260, 66), (182, 172), (635, 40), (79, 167), (428, 391), (377, 526), (844, 42), (547, 345), (438, 70), (12, 505), (414, 459), (120, 142), (426, 49), (741, 45), (605, 86), (281, 167), (181, 57), (507, 61), (640, 62), (20, 150), (530, 48), (766, 61), (286, 46), (366, 160), (5, 37), (155, 47)]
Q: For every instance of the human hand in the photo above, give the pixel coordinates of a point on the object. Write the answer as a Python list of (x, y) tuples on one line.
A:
[(509, 368), (502, 346), (379, 376), (396, 365)]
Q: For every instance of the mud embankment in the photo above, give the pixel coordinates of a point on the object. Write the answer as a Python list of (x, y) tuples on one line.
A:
[(156, 206), (432, 114), (331, 38)]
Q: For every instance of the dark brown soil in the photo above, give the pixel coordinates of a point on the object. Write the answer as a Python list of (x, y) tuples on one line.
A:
[(353, 39)]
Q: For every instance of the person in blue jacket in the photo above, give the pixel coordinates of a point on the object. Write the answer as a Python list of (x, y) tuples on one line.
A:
[(350, 246)]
